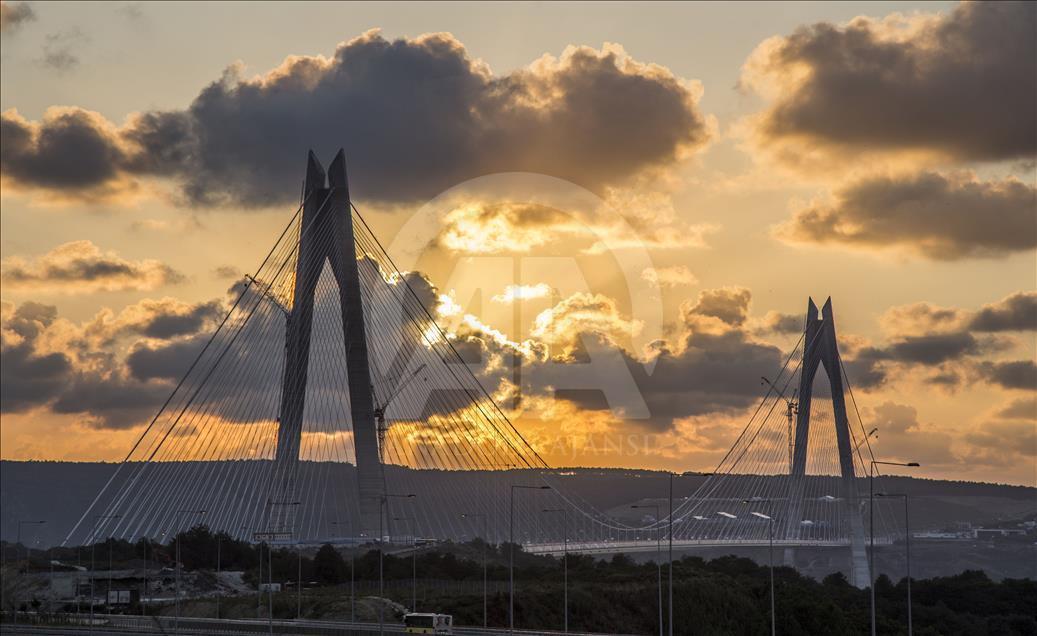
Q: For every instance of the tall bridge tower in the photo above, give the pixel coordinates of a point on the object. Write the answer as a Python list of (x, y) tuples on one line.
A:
[(820, 350), (326, 235)]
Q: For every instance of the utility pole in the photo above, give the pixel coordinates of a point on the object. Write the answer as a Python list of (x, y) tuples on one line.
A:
[(871, 530)]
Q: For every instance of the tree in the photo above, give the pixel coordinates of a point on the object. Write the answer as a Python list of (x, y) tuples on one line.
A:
[(328, 566)]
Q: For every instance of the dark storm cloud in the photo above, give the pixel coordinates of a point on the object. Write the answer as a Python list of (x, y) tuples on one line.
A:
[(1017, 312), (930, 214), (14, 15), (70, 151), (87, 377), (29, 378), (932, 349), (416, 116), (166, 361), (963, 85), (1017, 374), (112, 401)]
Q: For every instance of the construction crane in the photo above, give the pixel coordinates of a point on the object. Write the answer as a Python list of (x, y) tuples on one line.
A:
[(265, 292), (791, 411), (379, 410)]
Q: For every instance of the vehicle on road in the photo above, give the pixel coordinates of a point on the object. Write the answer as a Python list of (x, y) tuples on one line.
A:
[(422, 623)]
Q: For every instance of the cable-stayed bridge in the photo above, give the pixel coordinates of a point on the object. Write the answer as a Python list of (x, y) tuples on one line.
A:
[(329, 406)]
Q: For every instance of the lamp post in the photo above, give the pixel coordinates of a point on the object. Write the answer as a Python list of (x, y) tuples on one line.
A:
[(485, 539), (219, 563), (669, 565), (381, 553), (93, 542), (659, 565), (871, 530), (565, 568), (511, 551), (28, 552), (907, 537), (770, 533), (179, 514)]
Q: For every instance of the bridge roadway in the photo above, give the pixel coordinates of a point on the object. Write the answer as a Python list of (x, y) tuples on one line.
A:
[(652, 545), (119, 624)]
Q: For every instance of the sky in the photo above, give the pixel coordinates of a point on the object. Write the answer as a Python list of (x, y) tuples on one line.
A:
[(666, 182)]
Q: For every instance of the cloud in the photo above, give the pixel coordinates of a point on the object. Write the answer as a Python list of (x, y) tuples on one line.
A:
[(226, 271), (950, 344), (81, 267), (934, 216), (583, 313), (903, 437), (522, 292), (1021, 409), (622, 220), (1017, 312), (777, 322), (902, 85), (416, 116), (674, 276), (58, 50), (729, 304), (1014, 374), (710, 365), (29, 377), (66, 368), (14, 14)]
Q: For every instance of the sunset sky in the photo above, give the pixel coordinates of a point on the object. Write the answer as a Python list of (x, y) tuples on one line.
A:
[(664, 183)]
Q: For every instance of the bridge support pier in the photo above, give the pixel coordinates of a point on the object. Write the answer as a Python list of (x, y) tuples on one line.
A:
[(820, 350), (326, 235)]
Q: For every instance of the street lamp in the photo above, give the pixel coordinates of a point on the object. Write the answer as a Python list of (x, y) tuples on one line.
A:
[(659, 568), (669, 565), (381, 553), (485, 539), (565, 567), (907, 536), (770, 524), (28, 551), (511, 551), (179, 514), (871, 529)]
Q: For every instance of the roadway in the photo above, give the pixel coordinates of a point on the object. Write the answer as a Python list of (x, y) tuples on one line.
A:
[(652, 545), (119, 624)]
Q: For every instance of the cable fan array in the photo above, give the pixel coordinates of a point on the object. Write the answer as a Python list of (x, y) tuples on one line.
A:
[(454, 465)]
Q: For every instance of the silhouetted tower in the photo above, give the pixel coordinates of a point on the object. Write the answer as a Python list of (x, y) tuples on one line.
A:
[(326, 234), (820, 349)]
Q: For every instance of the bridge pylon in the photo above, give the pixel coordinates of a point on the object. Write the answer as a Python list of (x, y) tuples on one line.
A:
[(326, 235), (821, 350)]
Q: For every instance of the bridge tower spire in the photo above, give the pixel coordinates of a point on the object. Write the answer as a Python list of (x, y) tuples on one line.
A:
[(326, 235), (821, 350)]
